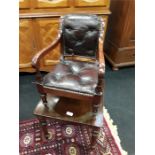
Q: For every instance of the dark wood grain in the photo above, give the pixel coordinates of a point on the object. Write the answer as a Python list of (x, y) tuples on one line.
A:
[(120, 37)]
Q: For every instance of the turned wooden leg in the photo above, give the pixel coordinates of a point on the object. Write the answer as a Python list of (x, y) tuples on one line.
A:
[(96, 104), (95, 134), (43, 124), (98, 97), (44, 100), (42, 95)]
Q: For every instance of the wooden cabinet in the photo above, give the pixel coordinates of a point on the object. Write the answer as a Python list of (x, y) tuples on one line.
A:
[(120, 37), (39, 21), (51, 3), (27, 43), (23, 4), (82, 3), (48, 30)]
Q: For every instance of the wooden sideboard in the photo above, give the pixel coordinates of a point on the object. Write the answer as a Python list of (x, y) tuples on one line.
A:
[(120, 37), (39, 21)]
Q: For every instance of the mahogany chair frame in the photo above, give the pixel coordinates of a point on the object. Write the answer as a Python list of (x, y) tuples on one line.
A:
[(43, 90), (95, 98)]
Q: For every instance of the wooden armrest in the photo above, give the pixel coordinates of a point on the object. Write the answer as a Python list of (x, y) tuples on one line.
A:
[(101, 58), (43, 52)]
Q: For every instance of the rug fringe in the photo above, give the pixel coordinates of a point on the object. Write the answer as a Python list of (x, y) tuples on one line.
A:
[(114, 131)]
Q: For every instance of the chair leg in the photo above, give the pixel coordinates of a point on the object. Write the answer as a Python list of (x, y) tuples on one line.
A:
[(43, 124), (44, 100), (96, 104), (42, 95), (98, 98), (95, 134)]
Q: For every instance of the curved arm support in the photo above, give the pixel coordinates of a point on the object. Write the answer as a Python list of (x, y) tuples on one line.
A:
[(101, 58), (42, 53)]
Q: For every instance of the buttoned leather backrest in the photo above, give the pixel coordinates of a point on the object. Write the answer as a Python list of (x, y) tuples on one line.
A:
[(80, 35)]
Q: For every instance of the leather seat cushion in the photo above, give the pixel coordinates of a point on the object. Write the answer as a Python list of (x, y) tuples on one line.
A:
[(73, 75)]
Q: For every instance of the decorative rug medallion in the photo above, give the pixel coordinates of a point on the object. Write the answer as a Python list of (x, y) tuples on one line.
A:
[(66, 138)]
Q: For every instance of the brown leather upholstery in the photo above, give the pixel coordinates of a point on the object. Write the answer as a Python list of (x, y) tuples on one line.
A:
[(73, 75), (80, 35)]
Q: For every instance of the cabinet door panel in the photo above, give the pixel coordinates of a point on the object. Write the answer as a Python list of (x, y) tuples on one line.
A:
[(23, 4), (128, 34), (51, 3), (48, 30), (83, 3), (26, 43)]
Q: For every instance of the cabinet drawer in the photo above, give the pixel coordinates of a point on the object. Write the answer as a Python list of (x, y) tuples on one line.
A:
[(24, 4), (84, 3), (51, 3)]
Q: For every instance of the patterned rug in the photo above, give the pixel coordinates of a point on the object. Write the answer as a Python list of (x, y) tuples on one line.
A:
[(67, 138)]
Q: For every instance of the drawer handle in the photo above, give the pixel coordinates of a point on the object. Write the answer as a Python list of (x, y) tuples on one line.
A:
[(90, 1), (52, 0)]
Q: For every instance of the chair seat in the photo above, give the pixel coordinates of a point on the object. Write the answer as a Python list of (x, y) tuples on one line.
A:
[(73, 75)]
